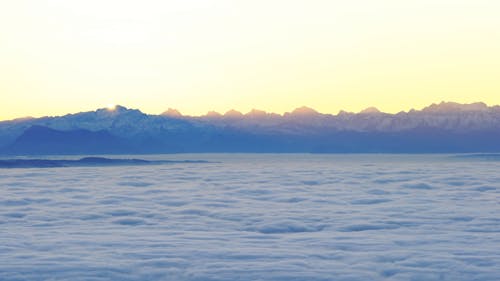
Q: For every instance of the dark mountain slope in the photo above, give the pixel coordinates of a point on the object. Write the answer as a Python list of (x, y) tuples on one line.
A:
[(43, 140)]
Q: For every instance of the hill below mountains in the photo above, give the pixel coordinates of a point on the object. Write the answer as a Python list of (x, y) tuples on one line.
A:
[(439, 128)]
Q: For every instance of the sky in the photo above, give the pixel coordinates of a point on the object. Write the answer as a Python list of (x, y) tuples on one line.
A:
[(64, 56)]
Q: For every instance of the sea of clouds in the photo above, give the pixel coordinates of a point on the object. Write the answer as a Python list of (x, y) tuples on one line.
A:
[(255, 217)]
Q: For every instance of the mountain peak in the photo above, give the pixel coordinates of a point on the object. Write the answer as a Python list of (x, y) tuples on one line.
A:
[(304, 110), (172, 112), (213, 114), (118, 110), (256, 113), (233, 113), (370, 110), (113, 108), (444, 107), (344, 113)]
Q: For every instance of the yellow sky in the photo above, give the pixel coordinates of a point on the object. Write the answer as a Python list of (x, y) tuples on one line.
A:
[(62, 56)]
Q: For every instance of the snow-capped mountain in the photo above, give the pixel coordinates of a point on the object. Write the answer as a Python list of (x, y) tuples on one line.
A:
[(443, 127), (446, 115)]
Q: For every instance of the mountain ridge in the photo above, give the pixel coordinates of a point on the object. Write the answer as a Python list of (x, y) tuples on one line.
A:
[(460, 126), (441, 107)]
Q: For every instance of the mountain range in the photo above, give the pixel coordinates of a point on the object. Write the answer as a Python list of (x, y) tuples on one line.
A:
[(446, 127)]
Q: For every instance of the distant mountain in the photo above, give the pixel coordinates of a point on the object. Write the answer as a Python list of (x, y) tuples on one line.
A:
[(443, 127), (447, 107), (370, 110), (85, 162), (303, 111), (171, 112), (43, 140), (233, 114)]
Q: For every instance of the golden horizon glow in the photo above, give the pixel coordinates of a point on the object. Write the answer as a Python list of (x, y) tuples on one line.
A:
[(60, 56)]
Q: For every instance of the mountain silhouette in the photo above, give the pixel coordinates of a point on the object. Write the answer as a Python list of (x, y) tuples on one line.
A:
[(439, 128), (44, 140)]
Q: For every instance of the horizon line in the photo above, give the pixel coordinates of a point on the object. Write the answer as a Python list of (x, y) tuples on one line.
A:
[(173, 112)]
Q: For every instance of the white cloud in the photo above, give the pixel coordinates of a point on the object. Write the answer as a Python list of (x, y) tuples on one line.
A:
[(253, 217)]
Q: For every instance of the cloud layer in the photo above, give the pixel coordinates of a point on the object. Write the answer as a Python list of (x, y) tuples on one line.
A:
[(255, 217)]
